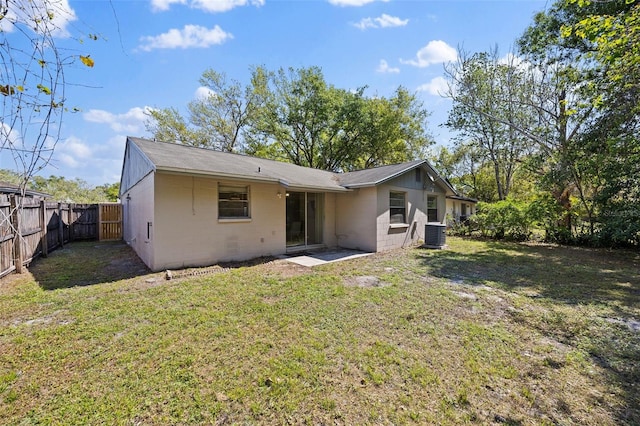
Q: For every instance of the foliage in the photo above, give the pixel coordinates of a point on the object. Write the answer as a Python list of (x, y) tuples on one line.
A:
[(503, 219), (167, 124), (32, 80), (224, 114), (575, 92), (294, 115), (73, 191), (65, 190), (110, 192), (218, 119), (9, 176), (490, 108)]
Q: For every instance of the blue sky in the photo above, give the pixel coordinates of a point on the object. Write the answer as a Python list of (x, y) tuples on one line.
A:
[(152, 53)]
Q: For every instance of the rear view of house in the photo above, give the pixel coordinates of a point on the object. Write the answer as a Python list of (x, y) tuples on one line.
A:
[(187, 206)]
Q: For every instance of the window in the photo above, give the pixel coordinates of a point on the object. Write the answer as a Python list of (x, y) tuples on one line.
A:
[(233, 202), (432, 209), (397, 207)]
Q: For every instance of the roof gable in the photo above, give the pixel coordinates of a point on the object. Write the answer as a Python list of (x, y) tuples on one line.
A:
[(378, 175)]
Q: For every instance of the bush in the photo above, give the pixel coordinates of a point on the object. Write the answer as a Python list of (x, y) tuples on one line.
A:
[(620, 225), (503, 220)]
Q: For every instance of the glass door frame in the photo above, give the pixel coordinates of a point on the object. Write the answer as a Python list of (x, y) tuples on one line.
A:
[(311, 200)]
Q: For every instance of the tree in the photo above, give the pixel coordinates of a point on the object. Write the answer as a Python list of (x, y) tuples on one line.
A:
[(9, 176), (490, 102), (611, 145), (32, 83), (74, 190), (467, 171), (32, 80), (168, 125), (391, 130), (109, 192), (218, 120), (225, 113), (304, 120), (593, 49)]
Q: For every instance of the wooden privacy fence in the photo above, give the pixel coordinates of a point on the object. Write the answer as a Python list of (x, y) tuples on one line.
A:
[(45, 226)]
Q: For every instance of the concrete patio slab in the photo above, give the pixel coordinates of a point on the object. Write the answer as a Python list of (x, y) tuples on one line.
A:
[(311, 259)]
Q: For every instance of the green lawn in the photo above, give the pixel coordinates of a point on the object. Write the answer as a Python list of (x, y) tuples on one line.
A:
[(480, 333)]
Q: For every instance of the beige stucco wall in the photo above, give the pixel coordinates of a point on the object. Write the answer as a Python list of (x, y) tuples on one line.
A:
[(355, 223), (187, 231), (137, 212), (391, 236), (329, 235)]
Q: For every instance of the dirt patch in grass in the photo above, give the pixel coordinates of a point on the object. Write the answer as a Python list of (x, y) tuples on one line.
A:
[(367, 281)]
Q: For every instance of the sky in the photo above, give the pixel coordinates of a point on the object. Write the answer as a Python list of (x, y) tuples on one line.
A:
[(151, 54)]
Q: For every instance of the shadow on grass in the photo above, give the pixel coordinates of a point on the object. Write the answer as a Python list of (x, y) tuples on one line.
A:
[(564, 274), (608, 281), (87, 263)]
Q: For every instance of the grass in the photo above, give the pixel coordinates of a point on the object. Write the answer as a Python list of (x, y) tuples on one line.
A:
[(482, 332)]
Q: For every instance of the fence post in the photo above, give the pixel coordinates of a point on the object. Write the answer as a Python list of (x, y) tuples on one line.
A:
[(71, 220), (17, 236), (60, 226), (44, 229), (100, 222)]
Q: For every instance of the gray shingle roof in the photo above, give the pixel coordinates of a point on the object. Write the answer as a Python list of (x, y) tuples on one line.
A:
[(376, 175), (188, 159), (10, 188)]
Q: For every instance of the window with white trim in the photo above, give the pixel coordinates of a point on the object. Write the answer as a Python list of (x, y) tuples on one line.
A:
[(432, 209), (233, 202), (397, 207)]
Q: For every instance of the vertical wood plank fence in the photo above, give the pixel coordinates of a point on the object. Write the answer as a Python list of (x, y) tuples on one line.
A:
[(35, 228)]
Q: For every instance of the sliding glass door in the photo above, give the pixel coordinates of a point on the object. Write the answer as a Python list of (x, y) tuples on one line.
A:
[(305, 213)]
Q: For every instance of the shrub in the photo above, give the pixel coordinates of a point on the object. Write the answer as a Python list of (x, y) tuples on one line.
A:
[(503, 220)]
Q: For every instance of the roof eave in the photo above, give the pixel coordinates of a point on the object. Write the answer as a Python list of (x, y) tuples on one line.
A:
[(245, 178)]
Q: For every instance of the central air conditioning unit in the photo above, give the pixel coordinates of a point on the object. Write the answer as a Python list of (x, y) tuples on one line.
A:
[(435, 235)]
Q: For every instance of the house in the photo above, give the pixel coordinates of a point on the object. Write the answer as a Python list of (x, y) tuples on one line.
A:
[(7, 189), (459, 208), (186, 206)]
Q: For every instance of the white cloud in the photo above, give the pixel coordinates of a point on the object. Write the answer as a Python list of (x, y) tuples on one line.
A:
[(9, 137), (99, 162), (435, 52), (365, 23), (131, 122), (437, 87), (383, 21), (162, 5), (352, 2), (384, 68), (213, 6), (386, 21), (203, 93), (188, 37), (73, 152), (223, 5), (52, 15)]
